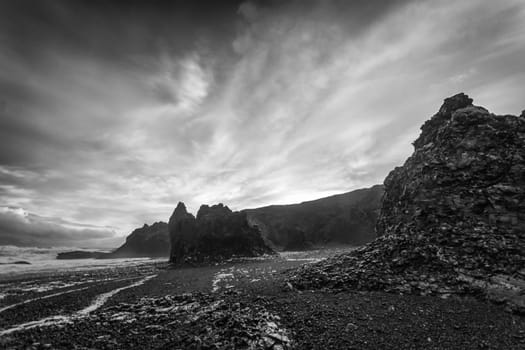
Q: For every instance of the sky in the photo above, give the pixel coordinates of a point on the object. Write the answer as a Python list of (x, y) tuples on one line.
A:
[(111, 112)]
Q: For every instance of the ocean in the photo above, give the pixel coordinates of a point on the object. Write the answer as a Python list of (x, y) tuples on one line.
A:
[(21, 260)]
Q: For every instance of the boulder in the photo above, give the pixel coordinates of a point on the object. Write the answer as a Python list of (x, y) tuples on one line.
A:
[(216, 234), (452, 218)]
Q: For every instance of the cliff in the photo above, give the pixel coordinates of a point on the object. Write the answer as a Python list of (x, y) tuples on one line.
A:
[(216, 234), (452, 218), (347, 218)]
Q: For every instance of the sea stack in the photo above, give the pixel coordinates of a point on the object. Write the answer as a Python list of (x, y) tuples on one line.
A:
[(216, 234), (452, 219)]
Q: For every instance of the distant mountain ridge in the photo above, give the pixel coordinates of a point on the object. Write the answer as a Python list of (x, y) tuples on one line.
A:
[(347, 218), (146, 241)]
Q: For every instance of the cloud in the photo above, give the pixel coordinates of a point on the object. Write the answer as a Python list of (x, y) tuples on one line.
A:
[(21, 228), (256, 103), (182, 83), (313, 109)]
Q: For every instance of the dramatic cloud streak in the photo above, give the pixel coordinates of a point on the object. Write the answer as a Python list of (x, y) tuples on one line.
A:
[(259, 103), (18, 227)]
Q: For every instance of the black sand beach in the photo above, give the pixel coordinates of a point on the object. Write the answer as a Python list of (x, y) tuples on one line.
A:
[(239, 304)]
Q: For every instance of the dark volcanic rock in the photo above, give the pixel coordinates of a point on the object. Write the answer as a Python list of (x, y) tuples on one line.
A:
[(347, 218), (187, 321), (183, 234), (453, 216), (82, 254), (147, 241), (216, 234)]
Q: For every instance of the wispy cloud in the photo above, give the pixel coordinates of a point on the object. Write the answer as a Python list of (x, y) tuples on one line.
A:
[(183, 84), (19, 227), (269, 104)]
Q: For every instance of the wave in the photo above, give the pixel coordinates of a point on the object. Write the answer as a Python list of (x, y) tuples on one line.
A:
[(16, 260), (10, 253)]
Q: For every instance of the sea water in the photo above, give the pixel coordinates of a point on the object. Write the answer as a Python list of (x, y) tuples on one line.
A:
[(20, 260)]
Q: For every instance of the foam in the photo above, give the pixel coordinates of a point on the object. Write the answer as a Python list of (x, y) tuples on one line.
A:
[(99, 301)]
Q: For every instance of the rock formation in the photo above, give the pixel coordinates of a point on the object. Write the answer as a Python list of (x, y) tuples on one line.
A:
[(147, 241), (452, 218), (215, 234), (81, 254), (347, 218)]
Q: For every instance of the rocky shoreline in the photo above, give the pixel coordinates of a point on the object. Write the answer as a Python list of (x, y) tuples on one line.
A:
[(242, 305), (451, 221), (449, 256)]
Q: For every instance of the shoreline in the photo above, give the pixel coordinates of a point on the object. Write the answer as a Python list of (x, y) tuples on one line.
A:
[(76, 266), (249, 301)]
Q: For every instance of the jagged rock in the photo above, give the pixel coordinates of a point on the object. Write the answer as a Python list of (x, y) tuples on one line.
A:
[(182, 229), (347, 218), (452, 217), (216, 234)]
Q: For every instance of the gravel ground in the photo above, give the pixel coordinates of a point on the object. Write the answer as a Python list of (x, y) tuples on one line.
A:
[(247, 304)]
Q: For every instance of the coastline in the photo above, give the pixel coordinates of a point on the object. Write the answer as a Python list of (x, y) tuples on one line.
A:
[(245, 302)]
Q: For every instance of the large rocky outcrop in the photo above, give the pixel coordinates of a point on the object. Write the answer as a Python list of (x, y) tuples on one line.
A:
[(453, 216), (215, 234), (347, 218)]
